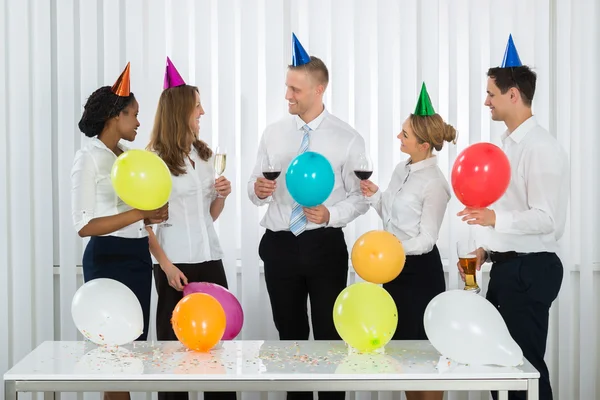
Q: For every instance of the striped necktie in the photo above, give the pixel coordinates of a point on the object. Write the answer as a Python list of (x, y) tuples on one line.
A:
[(298, 219)]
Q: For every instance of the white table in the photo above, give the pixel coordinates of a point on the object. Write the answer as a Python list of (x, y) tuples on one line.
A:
[(253, 366)]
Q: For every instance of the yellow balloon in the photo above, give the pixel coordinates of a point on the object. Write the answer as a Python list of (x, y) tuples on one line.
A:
[(365, 316), (141, 179)]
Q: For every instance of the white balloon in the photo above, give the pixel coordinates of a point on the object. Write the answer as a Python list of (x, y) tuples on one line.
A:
[(107, 312), (468, 329)]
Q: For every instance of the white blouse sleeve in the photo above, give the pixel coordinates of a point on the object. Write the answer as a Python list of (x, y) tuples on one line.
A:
[(83, 190)]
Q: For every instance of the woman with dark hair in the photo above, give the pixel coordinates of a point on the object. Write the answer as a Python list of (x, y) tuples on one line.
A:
[(187, 247), (118, 248)]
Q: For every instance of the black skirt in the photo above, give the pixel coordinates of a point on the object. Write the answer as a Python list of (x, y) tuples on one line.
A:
[(125, 260), (419, 282)]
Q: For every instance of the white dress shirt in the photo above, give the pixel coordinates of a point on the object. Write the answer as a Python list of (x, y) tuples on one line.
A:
[(531, 215), (92, 193), (414, 204), (189, 236), (335, 140)]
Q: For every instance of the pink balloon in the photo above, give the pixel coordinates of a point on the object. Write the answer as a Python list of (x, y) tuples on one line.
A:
[(233, 309)]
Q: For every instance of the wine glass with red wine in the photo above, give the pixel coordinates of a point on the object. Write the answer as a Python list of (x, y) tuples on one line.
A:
[(271, 167), (363, 167)]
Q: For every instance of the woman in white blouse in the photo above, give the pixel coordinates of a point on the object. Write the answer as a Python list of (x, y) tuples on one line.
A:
[(412, 208), (118, 247), (186, 247)]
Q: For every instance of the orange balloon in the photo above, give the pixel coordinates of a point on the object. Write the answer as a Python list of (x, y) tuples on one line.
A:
[(199, 321), (378, 257)]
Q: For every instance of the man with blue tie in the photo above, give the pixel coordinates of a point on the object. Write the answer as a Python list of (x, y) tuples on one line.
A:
[(303, 249)]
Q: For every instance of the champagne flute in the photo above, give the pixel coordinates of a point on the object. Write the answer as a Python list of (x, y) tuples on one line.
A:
[(220, 161), (165, 224)]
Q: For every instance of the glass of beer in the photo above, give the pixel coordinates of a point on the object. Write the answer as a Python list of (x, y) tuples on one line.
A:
[(467, 258)]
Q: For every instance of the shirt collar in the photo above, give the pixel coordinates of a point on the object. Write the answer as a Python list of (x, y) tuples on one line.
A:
[(314, 124), (100, 144), (428, 162), (522, 130)]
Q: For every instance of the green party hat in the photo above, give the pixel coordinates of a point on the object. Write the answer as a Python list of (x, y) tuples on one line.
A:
[(424, 106)]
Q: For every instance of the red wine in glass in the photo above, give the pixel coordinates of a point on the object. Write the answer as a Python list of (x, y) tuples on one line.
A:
[(271, 175), (363, 175), (271, 167)]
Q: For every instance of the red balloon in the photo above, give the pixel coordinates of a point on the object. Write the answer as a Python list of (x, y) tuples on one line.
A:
[(480, 175)]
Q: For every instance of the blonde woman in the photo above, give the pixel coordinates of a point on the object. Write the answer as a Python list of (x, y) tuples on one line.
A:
[(412, 208)]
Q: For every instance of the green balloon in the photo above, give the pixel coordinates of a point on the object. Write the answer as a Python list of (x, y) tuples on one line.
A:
[(365, 316)]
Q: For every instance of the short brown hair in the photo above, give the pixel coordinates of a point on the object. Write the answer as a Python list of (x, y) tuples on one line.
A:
[(522, 78), (432, 129), (316, 68), (171, 135)]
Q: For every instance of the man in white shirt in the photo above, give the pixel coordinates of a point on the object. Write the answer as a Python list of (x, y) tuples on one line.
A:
[(525, 224), (303, 249)]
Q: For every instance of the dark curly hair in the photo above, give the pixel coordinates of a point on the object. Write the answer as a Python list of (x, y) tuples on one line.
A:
[(101, 106)]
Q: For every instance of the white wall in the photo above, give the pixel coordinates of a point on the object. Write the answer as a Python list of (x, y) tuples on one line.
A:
[(53, 54)]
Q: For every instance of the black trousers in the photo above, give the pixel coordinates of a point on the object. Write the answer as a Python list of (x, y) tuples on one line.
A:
[(523, 289), (421, 279), (210, 271), (313, 265)]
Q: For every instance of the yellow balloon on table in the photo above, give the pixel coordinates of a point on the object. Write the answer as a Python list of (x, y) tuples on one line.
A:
[(365, 316), (378, 256), (141, 179)]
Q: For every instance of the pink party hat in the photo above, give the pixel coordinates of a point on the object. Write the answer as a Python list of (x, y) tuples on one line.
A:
[(172, 77)]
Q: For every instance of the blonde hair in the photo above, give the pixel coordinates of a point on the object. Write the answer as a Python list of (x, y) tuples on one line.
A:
[(171, 135), (433, 130)]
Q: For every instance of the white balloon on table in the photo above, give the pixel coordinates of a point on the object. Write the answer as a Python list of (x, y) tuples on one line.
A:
[(468, 329), (107, 312)]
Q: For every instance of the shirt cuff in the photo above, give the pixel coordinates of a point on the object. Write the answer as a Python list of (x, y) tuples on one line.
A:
[(486, 248), (334, 217), (376, 198), (81, 219), (504, 221), (261, 202), (488, 258)]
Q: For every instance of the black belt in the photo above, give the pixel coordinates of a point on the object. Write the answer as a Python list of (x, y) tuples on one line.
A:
[(497, 257)]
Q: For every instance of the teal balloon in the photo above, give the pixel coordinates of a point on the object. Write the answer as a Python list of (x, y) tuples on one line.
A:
[(309, 179)]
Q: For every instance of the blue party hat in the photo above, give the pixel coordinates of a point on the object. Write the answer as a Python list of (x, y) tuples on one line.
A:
[(299, 55), (511, 57)]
